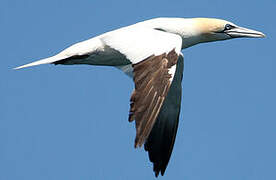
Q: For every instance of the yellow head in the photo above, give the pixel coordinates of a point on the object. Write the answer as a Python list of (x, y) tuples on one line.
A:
[(211, 29)]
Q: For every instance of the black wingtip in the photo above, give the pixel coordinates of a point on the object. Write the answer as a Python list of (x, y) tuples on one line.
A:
[(161, 140), (156, 169), (159, 168), (156, 174), (163, 171)]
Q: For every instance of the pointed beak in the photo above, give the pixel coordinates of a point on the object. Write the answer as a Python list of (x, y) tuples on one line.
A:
[(238, 32)]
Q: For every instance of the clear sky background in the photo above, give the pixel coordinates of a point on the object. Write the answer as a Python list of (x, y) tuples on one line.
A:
[(70, 122)]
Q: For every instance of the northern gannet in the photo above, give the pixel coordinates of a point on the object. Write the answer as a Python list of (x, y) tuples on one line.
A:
[(150, 52)]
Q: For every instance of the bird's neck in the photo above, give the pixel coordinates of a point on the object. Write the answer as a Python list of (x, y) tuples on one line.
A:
[(180, 26)]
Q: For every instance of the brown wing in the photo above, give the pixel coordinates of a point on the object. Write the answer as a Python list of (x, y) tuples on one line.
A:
[(160, 142), (152, 82)]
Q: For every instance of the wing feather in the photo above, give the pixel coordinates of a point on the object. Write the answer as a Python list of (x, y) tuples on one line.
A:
[(161, 140), (154, 55), (152, 82)]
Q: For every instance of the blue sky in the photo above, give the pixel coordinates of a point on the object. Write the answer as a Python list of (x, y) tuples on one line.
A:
[(70, 122)]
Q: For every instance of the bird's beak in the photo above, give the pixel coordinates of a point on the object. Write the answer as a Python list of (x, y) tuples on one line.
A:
[(244, 32)]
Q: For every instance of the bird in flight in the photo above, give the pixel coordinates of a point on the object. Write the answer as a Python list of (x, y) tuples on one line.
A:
[(150, 53)]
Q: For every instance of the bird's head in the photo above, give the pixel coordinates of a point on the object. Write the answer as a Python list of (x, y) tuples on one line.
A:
[(211, 29)]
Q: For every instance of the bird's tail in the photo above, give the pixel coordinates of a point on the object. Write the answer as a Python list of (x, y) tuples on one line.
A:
[(48, 60)]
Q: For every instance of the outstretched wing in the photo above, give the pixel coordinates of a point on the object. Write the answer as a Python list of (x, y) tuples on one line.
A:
[(154, 55), (161, 139), (152, 78)]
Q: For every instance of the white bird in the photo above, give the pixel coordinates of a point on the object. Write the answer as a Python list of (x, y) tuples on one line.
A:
[(150, 52)]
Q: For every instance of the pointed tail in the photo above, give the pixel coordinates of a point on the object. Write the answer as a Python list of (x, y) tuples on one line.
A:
[(43, 61)]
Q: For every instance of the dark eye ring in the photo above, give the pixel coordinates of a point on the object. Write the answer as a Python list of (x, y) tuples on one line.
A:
[(228, 27)]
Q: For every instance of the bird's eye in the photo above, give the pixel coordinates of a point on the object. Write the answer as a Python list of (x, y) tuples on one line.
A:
[(228, 27)]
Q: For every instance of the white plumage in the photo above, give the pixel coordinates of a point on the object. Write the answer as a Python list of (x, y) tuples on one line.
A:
[(150, 52)]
